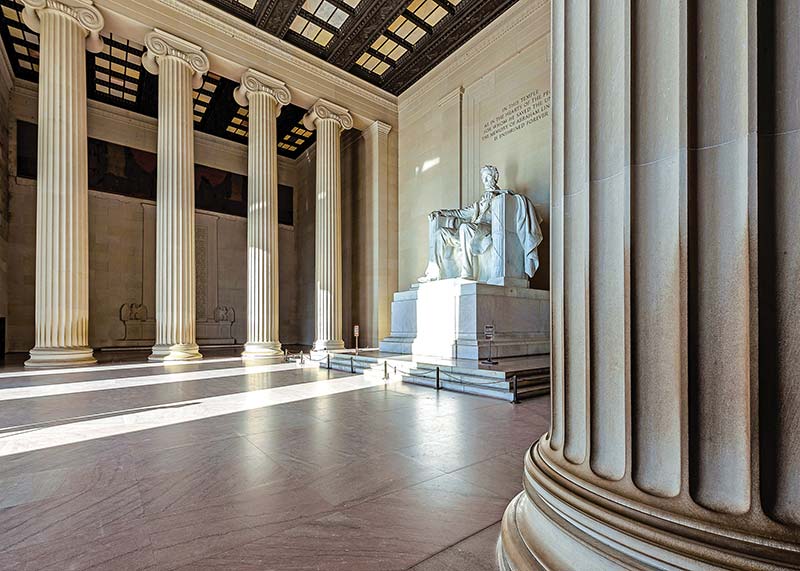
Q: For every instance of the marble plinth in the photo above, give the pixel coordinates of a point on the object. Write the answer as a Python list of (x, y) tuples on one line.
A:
[(446, 319)]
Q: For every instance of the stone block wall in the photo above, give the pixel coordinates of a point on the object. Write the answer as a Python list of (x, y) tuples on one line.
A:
[(487, 103)]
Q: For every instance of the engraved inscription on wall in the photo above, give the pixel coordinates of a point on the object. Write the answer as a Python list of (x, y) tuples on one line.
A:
[(517, 115)]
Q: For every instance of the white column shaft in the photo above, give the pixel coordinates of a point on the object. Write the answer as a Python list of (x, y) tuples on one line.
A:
[(62, 235), (329, 237), (175, 249), (262, 229)]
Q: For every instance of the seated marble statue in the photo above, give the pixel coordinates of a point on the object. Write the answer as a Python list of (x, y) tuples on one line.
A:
[(491, 240)]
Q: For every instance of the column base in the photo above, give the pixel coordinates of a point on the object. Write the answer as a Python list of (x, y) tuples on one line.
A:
[(177, 352), (561, 524), (60, 357), (270, 351), (322, 345)]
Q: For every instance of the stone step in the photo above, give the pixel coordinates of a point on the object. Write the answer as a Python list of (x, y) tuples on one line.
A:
[(462, 376)]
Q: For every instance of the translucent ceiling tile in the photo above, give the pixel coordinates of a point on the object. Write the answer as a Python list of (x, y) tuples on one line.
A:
[(436, 16), (247, 3), (425, 9), (204, 95), (298, 24), (338, 18), (352, 3), (311, 6), (324, 37), (398, 52), (415, 36), (10, 13), (325, 11), (117, 69), (381, 68), (387, 47), (311, 30)]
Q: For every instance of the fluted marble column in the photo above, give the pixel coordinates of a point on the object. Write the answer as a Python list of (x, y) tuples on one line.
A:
[(66, 29), (180, 66), (265, 97), (329, 120), (675, 434)]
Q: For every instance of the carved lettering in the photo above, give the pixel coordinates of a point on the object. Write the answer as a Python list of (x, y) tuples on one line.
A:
[(517, 115)]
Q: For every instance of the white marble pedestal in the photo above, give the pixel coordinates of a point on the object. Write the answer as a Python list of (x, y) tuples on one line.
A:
[(446, 319)]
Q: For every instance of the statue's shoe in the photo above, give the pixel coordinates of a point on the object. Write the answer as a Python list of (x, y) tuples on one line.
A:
[(426, 279)]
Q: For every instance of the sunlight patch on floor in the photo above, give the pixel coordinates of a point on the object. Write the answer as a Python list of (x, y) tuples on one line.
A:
[(28, 439)]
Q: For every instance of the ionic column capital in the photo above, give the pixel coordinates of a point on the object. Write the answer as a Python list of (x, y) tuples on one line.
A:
[(322, 110), (254, 82), (83, 12), (161, 44)]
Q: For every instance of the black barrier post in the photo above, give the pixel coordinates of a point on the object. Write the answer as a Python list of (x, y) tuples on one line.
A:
[(352, 371), (516, 393), (438, 382), (329, 361), (385, 370)]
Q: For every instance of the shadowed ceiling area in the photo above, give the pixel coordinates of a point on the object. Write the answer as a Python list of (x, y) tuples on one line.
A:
[(116, 76), (390, 43)]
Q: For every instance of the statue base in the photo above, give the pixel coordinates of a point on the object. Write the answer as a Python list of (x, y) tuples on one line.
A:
[(446, 318)]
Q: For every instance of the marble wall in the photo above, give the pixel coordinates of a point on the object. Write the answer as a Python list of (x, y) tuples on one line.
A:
[(5, 117), (122, 268), (486, 103)]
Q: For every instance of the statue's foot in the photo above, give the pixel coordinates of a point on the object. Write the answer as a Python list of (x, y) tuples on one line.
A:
[(425, 279)]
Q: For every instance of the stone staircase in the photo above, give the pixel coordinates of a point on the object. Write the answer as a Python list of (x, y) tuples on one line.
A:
[(531, 374)]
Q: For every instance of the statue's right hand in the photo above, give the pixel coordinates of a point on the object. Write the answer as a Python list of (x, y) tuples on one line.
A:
[(433, 215)]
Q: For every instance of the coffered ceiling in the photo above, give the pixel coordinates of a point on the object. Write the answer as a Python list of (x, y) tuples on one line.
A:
[(390, 43)]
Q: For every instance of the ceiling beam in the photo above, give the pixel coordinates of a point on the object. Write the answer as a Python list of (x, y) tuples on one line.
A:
[(470, 18), (414, 19), (368, 25), (278, 16)]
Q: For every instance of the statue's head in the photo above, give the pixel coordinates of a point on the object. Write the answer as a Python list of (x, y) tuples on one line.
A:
[(489, 176)]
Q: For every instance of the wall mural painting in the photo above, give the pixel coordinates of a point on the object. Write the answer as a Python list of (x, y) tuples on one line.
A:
[(132, 172)]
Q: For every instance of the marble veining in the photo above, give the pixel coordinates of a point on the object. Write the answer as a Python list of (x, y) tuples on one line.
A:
[(220, 466)]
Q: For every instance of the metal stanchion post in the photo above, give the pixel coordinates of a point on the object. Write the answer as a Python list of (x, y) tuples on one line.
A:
[(438, 381), (329, 361), (385, 370), (352, 370)]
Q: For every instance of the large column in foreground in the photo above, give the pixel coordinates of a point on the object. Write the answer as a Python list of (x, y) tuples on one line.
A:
[(675, 218), (265, 97), (66, 29), (329, 120), (180, 66)]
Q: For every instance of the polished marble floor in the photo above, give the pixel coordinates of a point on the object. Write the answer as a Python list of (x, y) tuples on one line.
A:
[(214, 465)]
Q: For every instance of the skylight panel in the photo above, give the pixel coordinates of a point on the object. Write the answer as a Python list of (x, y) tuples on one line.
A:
[(203, 95), (25, 43), (418, 19), (239, 124), (321, 20), (118, 68)]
